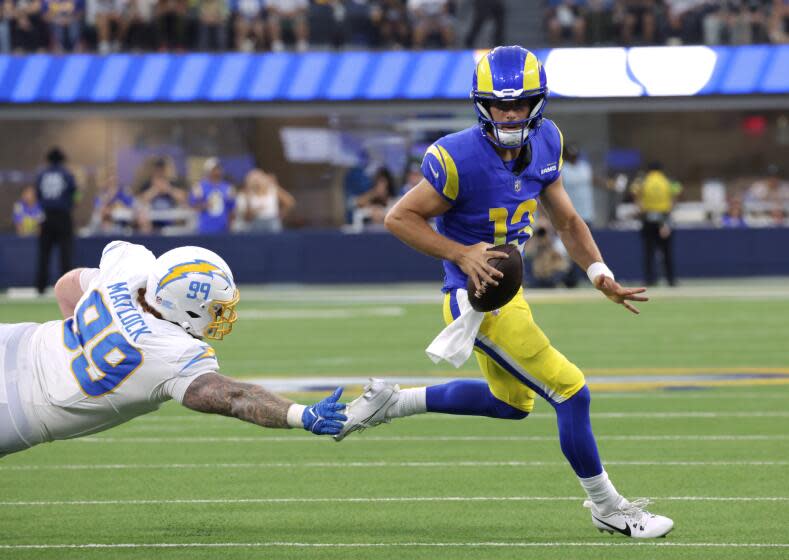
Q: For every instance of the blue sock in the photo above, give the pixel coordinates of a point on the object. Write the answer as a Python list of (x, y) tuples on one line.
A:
[(575, 434), (469, 397)]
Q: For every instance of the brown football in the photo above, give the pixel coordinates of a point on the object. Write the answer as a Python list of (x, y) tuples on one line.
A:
[(498, 296)]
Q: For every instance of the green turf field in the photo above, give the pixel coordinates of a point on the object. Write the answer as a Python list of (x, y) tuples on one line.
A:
[(177, 484)]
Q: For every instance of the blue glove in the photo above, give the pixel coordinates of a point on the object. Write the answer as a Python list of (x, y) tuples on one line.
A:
[(323, 417)]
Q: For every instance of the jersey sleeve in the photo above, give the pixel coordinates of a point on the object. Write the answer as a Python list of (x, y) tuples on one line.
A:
[(198, 360), (440, 170), (124, 261), (554, 142)]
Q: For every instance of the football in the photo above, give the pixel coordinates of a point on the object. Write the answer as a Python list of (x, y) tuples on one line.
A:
[(498, 296)]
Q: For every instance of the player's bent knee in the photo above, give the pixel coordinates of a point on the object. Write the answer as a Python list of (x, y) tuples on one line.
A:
[(583, 395), (506, 411)]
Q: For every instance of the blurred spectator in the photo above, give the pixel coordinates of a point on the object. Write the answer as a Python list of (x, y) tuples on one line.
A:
[(655, 197), (778, 23), (113, 208), (578, 182), (493, 10), (287, 17), (357, 181), (413, 176), (598, 22), (771, 188), (733, 217), (6, 19), (56, 191), (157, 194), (769, 196), (372, 205), (637, 19), (550, 265), (392, 23), (360, 19), (105, 16), (565, 22), (248, 24), (65, 24), (263, 203), (28, 33), (171, 24), (214, 199), (136, 31), (431, 18), (778, 216), (211, 27), (27, 213)]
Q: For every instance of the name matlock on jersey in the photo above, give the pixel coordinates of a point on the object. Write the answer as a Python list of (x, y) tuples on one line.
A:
[(490, 202), (127, 312), (111, 361)]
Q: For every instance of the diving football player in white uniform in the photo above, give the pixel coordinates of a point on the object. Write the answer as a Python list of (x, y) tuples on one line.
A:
[(132, 339)]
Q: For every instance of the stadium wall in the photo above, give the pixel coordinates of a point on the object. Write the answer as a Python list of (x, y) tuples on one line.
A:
[(317, 256)]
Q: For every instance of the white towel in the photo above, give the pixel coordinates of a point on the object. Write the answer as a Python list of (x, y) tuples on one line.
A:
[(456, 342)]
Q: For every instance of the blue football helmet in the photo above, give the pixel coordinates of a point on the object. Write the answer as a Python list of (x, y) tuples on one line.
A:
[(509, 74)]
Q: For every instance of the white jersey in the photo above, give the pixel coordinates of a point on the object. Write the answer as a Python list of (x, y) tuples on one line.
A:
[(111, 361)]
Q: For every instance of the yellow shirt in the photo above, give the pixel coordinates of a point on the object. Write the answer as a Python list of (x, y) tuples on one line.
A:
[(656, 193)]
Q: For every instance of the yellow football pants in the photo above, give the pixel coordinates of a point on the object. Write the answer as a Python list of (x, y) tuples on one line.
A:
[(516, 357)]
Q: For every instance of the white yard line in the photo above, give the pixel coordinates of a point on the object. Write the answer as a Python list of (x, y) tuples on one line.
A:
[(376, 500), (481, 544), (378, 464), (664, 377), (321, 313), (369, 439), (537, 416)]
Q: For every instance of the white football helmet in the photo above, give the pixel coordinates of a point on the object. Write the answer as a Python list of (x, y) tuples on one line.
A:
[(194, 288)]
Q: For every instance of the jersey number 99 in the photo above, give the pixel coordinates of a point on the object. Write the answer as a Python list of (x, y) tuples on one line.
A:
[(110, 354)]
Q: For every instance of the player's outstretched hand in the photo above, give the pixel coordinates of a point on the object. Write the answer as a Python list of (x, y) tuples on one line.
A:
[(619, 294), (324, 417), (473, 261)]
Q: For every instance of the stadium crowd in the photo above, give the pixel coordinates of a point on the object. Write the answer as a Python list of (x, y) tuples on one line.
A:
[(667, 22), (260, 25), (219, 25), (163, 203)]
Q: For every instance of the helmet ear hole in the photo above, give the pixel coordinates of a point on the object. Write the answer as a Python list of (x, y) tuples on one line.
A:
[(192, 314)]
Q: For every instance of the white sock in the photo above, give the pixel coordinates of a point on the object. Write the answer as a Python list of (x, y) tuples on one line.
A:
[(602, 493), (410, 401)]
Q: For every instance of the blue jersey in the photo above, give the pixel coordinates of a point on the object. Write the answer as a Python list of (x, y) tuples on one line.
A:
[(219, 200), (490, 202), (28, 217), (56, 189)]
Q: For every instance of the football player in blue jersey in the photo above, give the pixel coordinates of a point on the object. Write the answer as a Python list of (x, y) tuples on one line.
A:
[(482, 185)]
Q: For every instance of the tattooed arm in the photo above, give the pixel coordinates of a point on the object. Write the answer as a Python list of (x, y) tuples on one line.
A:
[(217, 394)]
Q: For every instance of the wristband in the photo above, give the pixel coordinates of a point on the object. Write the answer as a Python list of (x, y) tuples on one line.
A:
[(596, 269), (295, 412)]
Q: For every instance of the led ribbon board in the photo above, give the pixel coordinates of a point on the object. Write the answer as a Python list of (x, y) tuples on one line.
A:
[(377, 76)]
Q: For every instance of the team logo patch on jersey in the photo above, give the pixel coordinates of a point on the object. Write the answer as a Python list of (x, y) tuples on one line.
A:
[(548, 169), (432, 170), (196, 266)]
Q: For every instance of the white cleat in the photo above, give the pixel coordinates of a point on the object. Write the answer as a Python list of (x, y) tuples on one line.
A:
[(370, 408), (632, 520)]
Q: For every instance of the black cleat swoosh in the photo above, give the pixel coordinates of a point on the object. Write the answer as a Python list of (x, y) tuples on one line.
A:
[(625, 531)]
